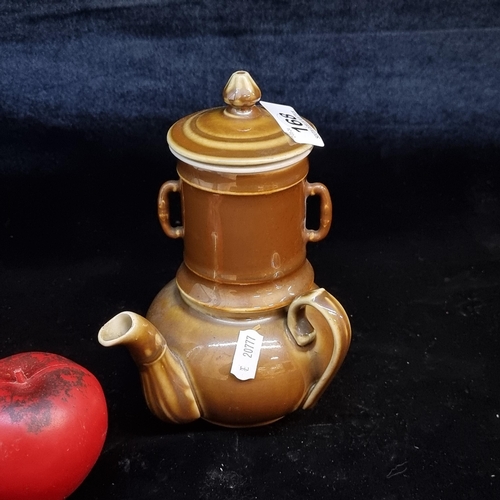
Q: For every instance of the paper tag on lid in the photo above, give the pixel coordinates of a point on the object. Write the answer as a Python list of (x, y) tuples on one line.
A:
[(246, 355), (293, 125)]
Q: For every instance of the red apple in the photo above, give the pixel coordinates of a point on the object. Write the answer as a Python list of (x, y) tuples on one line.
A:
[(53, 422)]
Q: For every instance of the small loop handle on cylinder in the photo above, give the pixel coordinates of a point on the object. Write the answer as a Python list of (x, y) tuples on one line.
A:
[(164, 209), (325, 221), (304, 333)]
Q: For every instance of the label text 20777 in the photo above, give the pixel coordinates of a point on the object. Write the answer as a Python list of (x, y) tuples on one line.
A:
[(248, 346)]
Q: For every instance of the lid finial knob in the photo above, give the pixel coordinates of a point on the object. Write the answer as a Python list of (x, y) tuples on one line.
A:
[(241, 92)]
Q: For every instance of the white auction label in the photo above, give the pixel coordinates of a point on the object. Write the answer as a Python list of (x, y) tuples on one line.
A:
[(246, 355), (293, 125)]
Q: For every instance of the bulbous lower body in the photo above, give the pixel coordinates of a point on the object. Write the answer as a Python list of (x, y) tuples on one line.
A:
[(288, 375)]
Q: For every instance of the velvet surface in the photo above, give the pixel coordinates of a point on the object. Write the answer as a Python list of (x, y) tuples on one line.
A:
[(407, 98)]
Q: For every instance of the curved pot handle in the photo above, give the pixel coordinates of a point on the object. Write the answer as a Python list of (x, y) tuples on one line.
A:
[(325, 221), (340, 329), (164, 209)]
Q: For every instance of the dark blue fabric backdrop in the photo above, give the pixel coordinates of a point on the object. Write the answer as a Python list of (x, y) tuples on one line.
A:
[(396, 72)]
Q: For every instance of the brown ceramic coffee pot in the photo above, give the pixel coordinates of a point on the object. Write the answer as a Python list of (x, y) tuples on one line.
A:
[(243, 188)]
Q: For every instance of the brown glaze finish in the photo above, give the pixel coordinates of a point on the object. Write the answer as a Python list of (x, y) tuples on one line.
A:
[(245, 228), (207, 348), (243, 189), (243, 134), (286, 375), (166, 386), (244, 239), (242, 182), (249, 298), (241, 93), (187, 375)]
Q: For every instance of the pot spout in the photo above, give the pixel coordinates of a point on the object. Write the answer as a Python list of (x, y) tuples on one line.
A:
[(166, 387)]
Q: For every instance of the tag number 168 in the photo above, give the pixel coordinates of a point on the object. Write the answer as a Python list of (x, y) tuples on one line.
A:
[(292, 120)]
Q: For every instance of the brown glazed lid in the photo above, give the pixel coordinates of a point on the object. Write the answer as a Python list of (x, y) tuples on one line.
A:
[(240, 137)]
